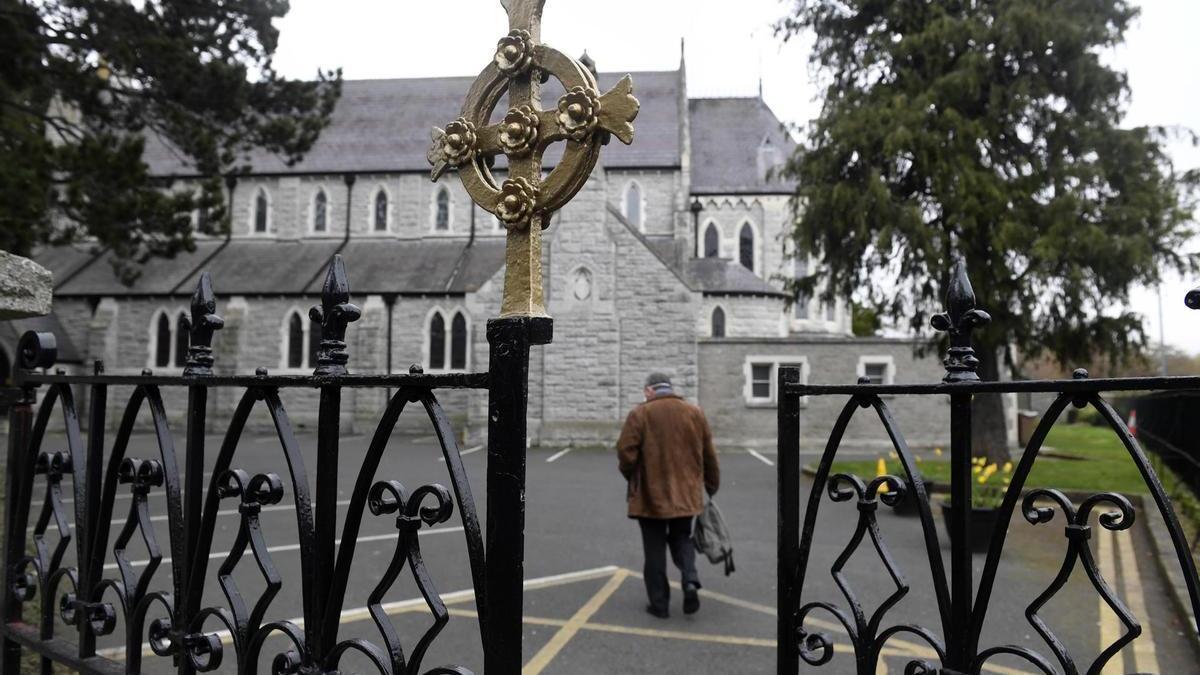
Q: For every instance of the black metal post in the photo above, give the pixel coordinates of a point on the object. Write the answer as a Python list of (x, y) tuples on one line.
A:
[(961, 574), (16, 517), (328, 434), (508, 402), (85, 526), (958, 321), (193, 505), (788, 542)]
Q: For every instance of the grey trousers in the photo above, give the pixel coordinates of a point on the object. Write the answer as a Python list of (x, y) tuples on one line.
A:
[(657, 536)]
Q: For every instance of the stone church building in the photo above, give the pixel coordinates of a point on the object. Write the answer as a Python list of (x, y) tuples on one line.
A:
[(669, 259)]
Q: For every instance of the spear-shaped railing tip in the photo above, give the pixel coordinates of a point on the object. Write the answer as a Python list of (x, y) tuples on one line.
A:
[(201, 326), (958, 321), (333, 315)]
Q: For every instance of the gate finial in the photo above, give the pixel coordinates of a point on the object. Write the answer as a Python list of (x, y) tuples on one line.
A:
[(334, 313), (958, 321), (201, 326), (582, 117)]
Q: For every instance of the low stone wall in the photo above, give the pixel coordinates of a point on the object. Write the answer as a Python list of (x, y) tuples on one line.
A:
[(740, 420)]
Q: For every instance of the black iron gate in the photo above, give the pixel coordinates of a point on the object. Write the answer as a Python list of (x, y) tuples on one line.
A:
[(164, 610), (961, 604)]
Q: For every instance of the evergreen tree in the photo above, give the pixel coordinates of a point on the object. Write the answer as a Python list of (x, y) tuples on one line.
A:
[(84, 82), (991, 130)]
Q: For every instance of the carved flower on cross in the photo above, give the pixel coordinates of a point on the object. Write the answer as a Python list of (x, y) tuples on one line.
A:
[(516, 202), (455, 145), (514, 52), (578, 113), (519, 131)]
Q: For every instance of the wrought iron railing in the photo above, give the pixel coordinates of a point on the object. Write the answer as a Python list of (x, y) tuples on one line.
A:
[(961, 604), (161, 603)]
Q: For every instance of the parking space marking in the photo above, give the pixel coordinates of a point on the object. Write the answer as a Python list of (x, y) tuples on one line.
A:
[(1110, 629), (560, 639), (296, 547), (1145, 658), (558, 454), (464, 453), (412, 604), (760, 457)]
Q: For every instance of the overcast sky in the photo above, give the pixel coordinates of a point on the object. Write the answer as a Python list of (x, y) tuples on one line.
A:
[(730, 49)]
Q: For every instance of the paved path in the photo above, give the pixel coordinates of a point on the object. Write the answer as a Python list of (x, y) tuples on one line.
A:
[(584, 599)]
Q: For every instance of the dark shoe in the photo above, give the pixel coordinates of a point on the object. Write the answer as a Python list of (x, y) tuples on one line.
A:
[(691, 599), (660, 613)]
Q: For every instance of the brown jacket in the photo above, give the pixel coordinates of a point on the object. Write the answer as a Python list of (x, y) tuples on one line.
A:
[(666, 453)]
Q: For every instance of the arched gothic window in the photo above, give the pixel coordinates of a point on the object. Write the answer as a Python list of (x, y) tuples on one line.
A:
[(746, 247), (712, 241), (718, 323), (633, 205), (442, 210), (183, 339), (458, 342), (437, 342), (320, 216), (162, 342), (295, 341), (261, 211), (381, 211), (801, 301)]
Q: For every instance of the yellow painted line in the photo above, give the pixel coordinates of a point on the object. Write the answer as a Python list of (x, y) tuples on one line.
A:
[(1145, 658), (1110, 627), (410, 605), (551, 649)]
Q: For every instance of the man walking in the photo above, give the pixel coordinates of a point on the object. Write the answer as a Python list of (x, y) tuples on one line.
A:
[(666, 453)]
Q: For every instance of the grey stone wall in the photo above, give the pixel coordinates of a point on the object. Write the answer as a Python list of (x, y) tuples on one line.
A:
[(745, 316), (738, 422), (660, 190)]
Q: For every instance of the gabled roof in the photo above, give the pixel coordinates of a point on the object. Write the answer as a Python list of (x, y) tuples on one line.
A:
[(727, 134), (384, 126)]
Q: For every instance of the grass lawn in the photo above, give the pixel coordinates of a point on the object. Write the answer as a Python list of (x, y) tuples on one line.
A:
[(1104, 463)]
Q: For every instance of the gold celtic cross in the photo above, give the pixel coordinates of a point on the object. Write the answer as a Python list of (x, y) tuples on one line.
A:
[(525, 200)]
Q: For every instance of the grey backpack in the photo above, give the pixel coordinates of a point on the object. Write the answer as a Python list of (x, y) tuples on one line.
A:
[(711, 537)]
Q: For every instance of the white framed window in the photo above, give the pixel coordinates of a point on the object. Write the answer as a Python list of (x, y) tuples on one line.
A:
[(260, 212), (318, 218), (380, 210), (299, 338), (879, 369), (762, 375), (633, 205), (169, 340), (447, 341), (441, 213)]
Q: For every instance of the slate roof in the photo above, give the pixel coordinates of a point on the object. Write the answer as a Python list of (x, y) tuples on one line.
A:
[(384, 126), (726, 136), (722, 275), (269, 267)]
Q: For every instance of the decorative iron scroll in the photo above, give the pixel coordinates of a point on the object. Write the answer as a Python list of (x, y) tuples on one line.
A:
[(160, 603), (962, 609)]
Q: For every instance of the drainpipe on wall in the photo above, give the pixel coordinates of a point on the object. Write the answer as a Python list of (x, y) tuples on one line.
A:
[(389, 301)]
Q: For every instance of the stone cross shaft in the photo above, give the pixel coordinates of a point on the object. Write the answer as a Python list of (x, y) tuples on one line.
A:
[(525, 201)]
